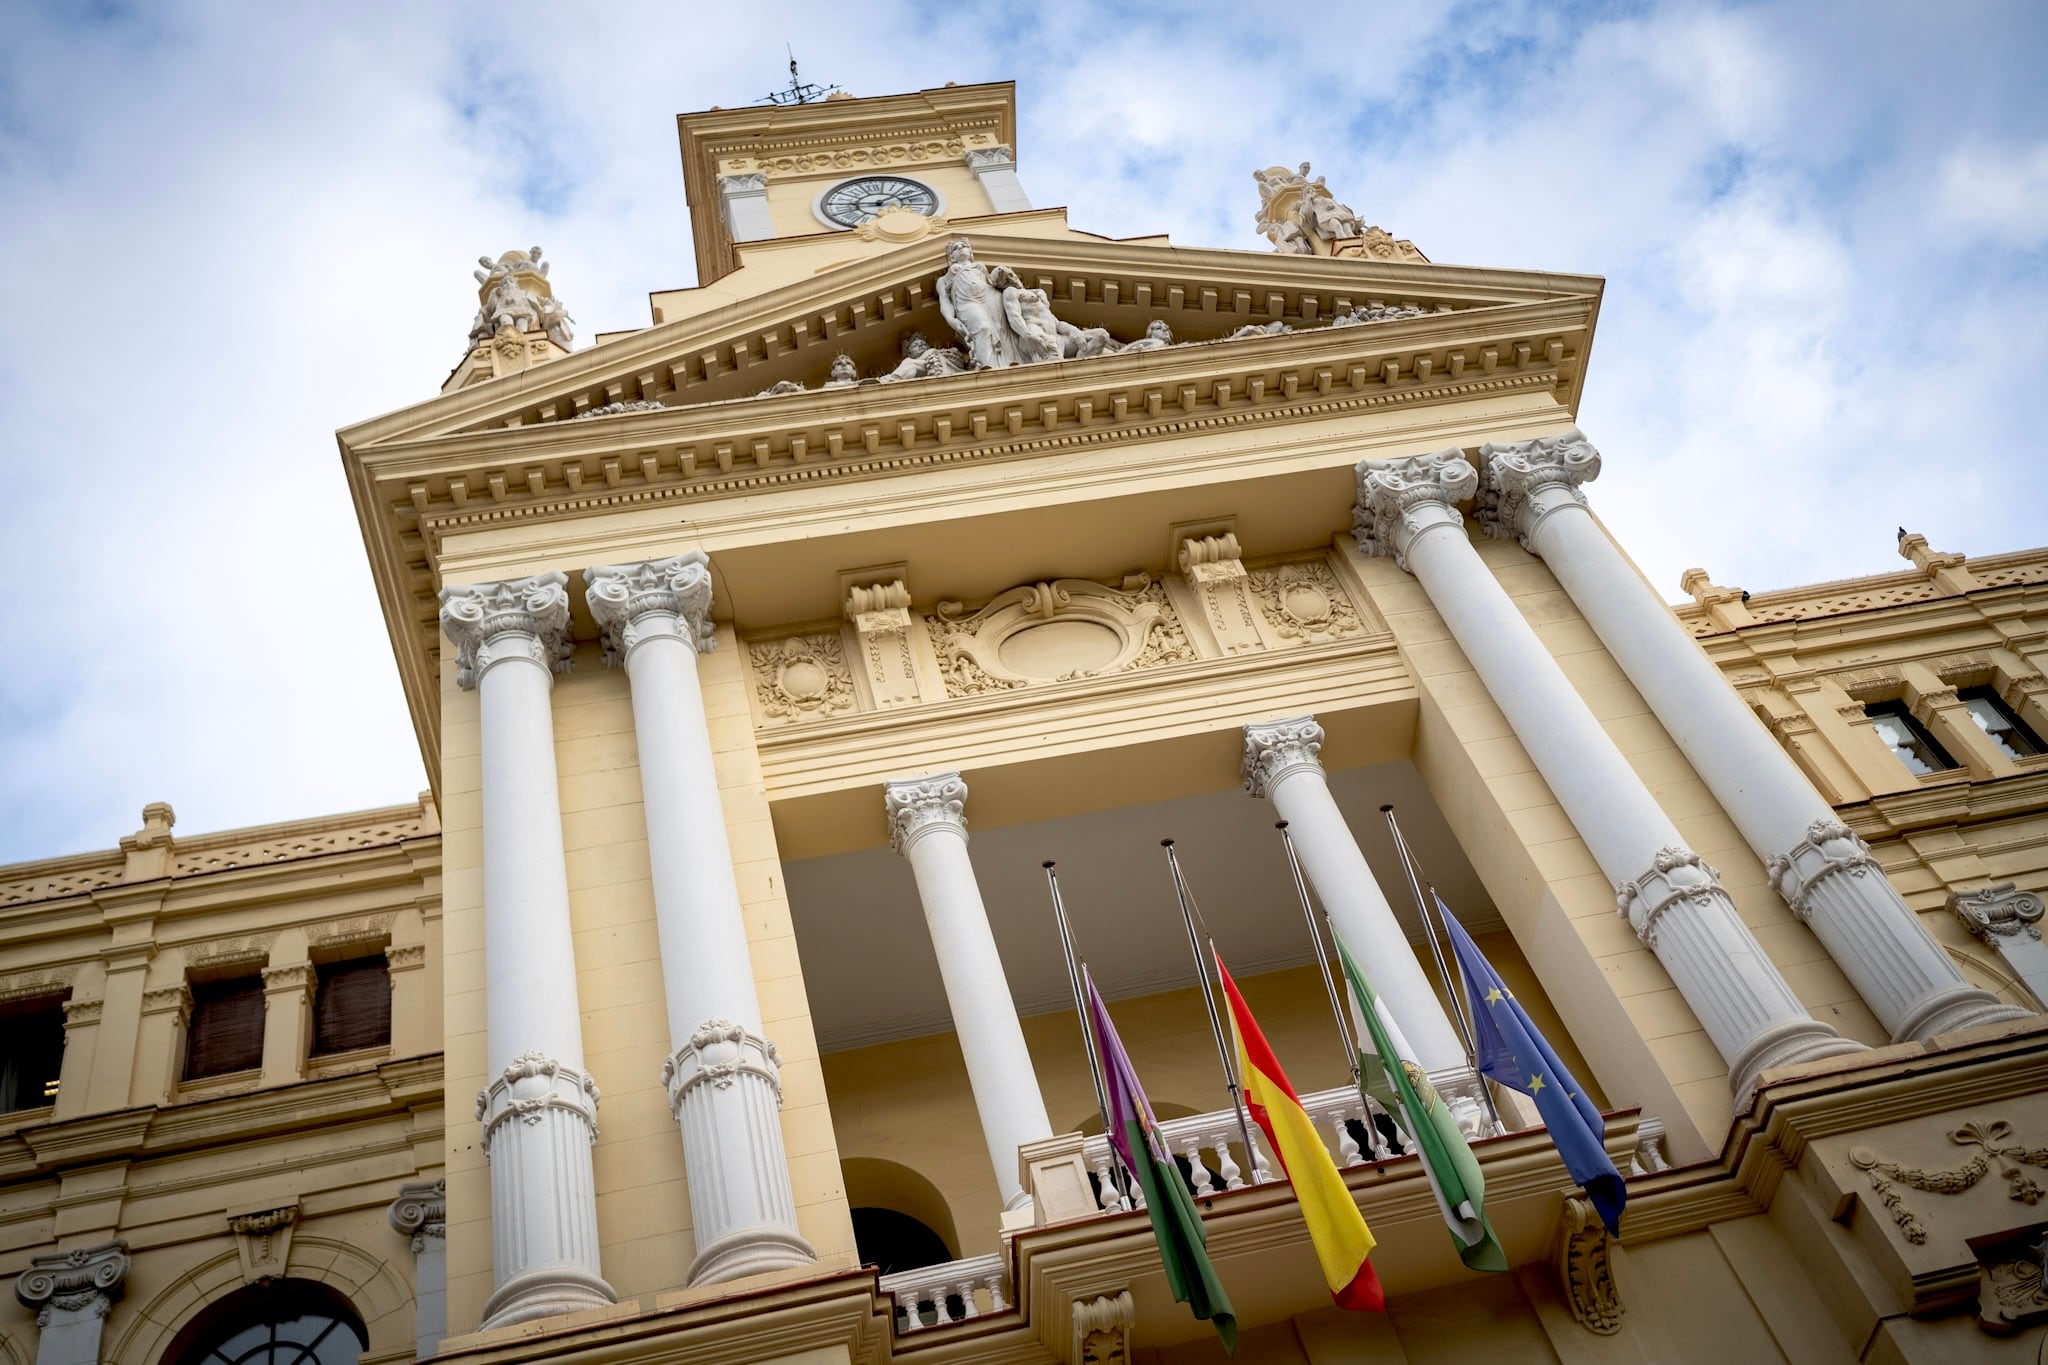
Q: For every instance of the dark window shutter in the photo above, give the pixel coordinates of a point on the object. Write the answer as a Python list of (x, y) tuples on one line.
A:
[(352, 1005), (31, 1053), (227, 1027)]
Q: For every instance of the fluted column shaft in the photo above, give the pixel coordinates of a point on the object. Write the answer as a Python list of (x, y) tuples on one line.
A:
[(1282, 762), (1673, 900), (723, 1076), (928, 826), (1825, 873), (539, 1111)]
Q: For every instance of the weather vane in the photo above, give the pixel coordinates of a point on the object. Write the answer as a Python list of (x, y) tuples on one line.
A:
[(800, 91)]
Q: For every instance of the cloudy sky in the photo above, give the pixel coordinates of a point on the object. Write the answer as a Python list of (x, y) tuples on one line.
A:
[(230, 229)]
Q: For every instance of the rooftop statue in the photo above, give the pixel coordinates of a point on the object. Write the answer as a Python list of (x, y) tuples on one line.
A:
[(1296, 213), (972, 303), (514, 292)]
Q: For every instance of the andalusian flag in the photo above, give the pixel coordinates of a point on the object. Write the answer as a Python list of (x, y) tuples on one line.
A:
[(1335, 1226), (1134, 1134), (1513, 1051), (1454, 1175)]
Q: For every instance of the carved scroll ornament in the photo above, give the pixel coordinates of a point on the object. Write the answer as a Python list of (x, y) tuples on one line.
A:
[(1056, 631)]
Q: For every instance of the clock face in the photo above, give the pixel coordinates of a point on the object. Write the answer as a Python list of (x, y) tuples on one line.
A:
[(852, 202)]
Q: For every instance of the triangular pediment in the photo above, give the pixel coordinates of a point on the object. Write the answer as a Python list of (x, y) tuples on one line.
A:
[(675, 413), (864, 309)]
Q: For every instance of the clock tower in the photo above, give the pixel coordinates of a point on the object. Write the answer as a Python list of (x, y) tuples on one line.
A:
[(810, 179)]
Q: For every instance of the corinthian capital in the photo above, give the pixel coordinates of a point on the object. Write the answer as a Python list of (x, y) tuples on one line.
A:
[(1399, 500), (1527, 480), (521, 618), (655, 598), (1275, 748), (919, 805)]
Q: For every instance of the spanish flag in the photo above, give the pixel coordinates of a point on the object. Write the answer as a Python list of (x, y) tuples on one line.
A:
[(1335, 1226)]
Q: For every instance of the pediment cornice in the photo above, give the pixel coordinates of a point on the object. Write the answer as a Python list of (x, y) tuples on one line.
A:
[(510, 451)]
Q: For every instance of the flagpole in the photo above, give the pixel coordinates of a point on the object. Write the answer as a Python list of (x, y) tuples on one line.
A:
[(1315, 936), (1059, 910), (1451, 983), (1187, 918)]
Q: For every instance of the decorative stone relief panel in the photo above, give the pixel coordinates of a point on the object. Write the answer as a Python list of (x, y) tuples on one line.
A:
[(1302, 602), (1056, 631), (801, 677)]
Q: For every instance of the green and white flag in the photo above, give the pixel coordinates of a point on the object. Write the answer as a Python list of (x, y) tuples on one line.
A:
[(1405, 1092)]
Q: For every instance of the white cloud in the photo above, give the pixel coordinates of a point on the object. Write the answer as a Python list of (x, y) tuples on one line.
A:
[(231, 230)]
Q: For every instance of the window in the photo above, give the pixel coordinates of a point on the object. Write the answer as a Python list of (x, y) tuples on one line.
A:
[(31, 1052), (227, 1027), (1997, 720), (351, 1005), (1914, 746), (289, 1322)]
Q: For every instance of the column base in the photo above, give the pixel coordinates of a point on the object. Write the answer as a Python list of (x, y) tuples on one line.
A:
[(1790, 1042), (725, 1091), (750, 1251), (1955, 1010), (545, 1292)]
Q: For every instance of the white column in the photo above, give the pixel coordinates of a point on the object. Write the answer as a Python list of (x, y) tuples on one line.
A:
[(71, 1293), (928, 826), (421, 1213), (724, 1078), (996, 169), (1825, 873), (1282, 761), (1673, 900), (2008, 921), (746, 206), (510, 639)]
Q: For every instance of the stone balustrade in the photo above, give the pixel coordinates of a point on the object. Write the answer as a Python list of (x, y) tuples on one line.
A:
[(954, 1291)]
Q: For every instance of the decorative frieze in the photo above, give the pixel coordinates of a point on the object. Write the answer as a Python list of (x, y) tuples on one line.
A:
[(801, 677), (346, 935), (1054, 632), (40, 981), (243, 950), (1996, 1150), (1302, 601)]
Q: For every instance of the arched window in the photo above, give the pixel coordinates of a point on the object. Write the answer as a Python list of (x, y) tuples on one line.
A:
[(288, 1322), (892, 1241)]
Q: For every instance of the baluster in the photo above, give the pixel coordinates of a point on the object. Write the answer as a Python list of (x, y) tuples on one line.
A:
[(913, 1319), (1347, 1145), (1107, 1195), (995, 1293), (1198, 1174), (945, 1314), (968, 1307), (1233, 1174)]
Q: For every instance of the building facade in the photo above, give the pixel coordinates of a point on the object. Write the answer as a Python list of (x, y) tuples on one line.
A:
[(760, 659)]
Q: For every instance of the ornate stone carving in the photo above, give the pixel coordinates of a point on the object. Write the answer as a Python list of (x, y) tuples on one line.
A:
[(1520, 474), (1302, 601), (1002, 321), (1391, 496), (263, 1237), (1376, 312), (1297, 214), (854, 158), (2010, 1292), (420, 1211), (522, 618), (921, 360), (293, 976), (972, 304), (356, 932), (1994, 1139), (72, 1285), (656, 597), (529, 1089), (514, 294), (1056, 631), (1214, 570), (1276, 747), (718, 1053), (1584, 1269), (238, 950), (169, 999), (747, 182), (801, 677), (1676, 875), (900, 223), (880, 613), (41, 981), (1102, 1329), (402, 956), (1998, 912), (1380, 245), (985, 158), (615, 409), (78, 1013), (1830, 849), (919, 805)]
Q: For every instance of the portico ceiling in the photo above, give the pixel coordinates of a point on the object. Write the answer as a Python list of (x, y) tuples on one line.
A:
[(868, 962)]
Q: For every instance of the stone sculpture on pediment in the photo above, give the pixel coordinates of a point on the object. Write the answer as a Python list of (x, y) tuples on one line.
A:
[(1299, 215), (922, 360), (972, 304), (1034, 331), (515, 296)]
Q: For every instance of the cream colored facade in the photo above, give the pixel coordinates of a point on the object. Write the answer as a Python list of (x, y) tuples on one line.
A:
[(1075, 584)]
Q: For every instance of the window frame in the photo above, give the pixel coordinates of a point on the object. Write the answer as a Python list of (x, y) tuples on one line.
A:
[(1943, 763)]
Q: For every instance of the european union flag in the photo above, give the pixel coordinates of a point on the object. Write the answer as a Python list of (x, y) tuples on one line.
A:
[(1513, 1052)]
